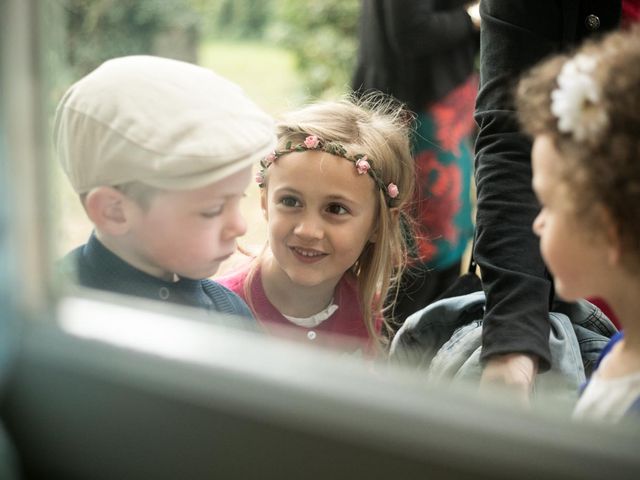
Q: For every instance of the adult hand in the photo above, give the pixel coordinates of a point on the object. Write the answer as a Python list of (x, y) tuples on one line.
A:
[(515, 371)]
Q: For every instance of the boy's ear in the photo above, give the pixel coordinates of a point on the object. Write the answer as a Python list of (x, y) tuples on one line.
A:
[(263, 203), (107, 209)]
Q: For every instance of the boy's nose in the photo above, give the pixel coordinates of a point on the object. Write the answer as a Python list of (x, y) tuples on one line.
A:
[(236, 226)]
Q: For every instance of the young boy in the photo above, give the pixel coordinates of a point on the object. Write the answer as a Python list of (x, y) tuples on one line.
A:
[(160, 152)]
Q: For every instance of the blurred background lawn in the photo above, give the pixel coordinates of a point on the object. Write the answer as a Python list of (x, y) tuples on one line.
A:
[(282, 52)]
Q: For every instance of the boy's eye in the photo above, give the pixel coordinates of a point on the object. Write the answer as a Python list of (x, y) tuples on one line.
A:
[(290, 202), (212, 213), (337, 209)]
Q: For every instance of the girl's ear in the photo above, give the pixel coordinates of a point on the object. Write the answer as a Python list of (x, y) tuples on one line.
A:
[(263, 203), (611, 234), (107, 208), (394, 215)]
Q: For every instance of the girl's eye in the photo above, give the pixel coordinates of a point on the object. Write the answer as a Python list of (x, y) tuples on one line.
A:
[(337, 209), (290, 202)]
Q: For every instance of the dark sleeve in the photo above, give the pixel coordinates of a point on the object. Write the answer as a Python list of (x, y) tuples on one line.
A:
[(417, 28), (514, 36)]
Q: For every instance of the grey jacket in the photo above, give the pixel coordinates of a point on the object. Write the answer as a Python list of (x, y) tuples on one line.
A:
[(445, 340)]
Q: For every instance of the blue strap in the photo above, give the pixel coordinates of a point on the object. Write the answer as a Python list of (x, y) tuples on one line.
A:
[(607, 348), (614, 339)]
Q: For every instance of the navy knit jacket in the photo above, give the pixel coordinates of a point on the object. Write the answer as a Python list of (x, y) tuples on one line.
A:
[(94, 266)]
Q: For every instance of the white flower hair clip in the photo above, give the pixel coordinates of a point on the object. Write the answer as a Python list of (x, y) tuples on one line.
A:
[(576, 101)]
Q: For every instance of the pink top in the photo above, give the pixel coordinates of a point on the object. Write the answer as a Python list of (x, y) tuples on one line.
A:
[(345, 329), (630, 12)]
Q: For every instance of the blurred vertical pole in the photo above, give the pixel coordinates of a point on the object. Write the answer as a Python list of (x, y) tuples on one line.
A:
[(25, 167), (7, 266), (22, 281)]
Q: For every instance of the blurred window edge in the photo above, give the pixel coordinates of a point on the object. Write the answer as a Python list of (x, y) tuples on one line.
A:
[(244, 375)]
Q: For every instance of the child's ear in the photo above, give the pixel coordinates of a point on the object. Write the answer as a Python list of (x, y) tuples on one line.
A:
[(263, 203), (394, 214), (614, 248), (611, 233), (107, 209)]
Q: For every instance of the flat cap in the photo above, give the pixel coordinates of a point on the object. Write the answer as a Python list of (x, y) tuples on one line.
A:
[(162, 122)]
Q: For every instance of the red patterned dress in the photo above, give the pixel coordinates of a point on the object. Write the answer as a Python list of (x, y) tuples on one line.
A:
[(443, 155)]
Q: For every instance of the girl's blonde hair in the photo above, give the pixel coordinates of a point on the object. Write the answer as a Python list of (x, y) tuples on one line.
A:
[(379, 127), (604, 167)]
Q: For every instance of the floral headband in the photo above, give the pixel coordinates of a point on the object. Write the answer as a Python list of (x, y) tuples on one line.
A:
[(312, 142), (575, 101)]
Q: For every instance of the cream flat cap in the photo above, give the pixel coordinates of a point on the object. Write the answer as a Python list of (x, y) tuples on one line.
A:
[(166, 123)]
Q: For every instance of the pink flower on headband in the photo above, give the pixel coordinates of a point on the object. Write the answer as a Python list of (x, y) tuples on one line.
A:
[(260, 177), (311, 141), (392, 190), (269, 159), (362, 165)]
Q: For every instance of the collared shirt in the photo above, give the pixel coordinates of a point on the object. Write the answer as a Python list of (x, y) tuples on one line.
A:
[(344, 330), (95, 266)]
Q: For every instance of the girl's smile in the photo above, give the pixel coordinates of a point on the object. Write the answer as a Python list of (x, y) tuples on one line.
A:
[(307, 255), (321, 215)]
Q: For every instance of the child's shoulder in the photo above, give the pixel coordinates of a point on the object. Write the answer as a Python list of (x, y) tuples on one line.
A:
[(347, 293), (606, 353), (69, 262), (67, 269), (225, 299), (215, 290)]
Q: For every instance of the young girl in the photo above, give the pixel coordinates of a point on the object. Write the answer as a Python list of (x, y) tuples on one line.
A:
[(333, 193), (583, 113)]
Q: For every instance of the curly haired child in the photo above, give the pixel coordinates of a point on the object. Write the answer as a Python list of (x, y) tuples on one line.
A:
[(583, 112), (333, 193)]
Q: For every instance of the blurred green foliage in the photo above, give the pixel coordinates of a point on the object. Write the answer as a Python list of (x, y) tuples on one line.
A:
[(100, 29), (322, 35), (234, 19)]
